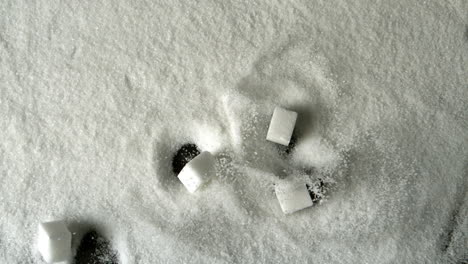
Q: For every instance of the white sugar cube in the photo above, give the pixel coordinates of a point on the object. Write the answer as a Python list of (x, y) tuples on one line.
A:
[(54, 241), (281, 126), (198, 171), (292, 196)]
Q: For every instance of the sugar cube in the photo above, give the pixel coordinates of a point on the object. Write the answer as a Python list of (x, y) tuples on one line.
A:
[(281, 126), (54, 241), (198, 171), (292, 196)]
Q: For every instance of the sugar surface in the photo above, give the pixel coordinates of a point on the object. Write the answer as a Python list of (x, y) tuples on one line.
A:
[(97, 96)]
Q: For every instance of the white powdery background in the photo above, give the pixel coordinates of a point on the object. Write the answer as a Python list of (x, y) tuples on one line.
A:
[(96, 96)]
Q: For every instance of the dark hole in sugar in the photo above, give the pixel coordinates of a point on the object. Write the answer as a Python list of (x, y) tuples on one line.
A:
[(95, 249), (185, 154), (316, 197)]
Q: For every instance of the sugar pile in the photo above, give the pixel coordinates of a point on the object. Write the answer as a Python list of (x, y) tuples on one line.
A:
[(97, 96)]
